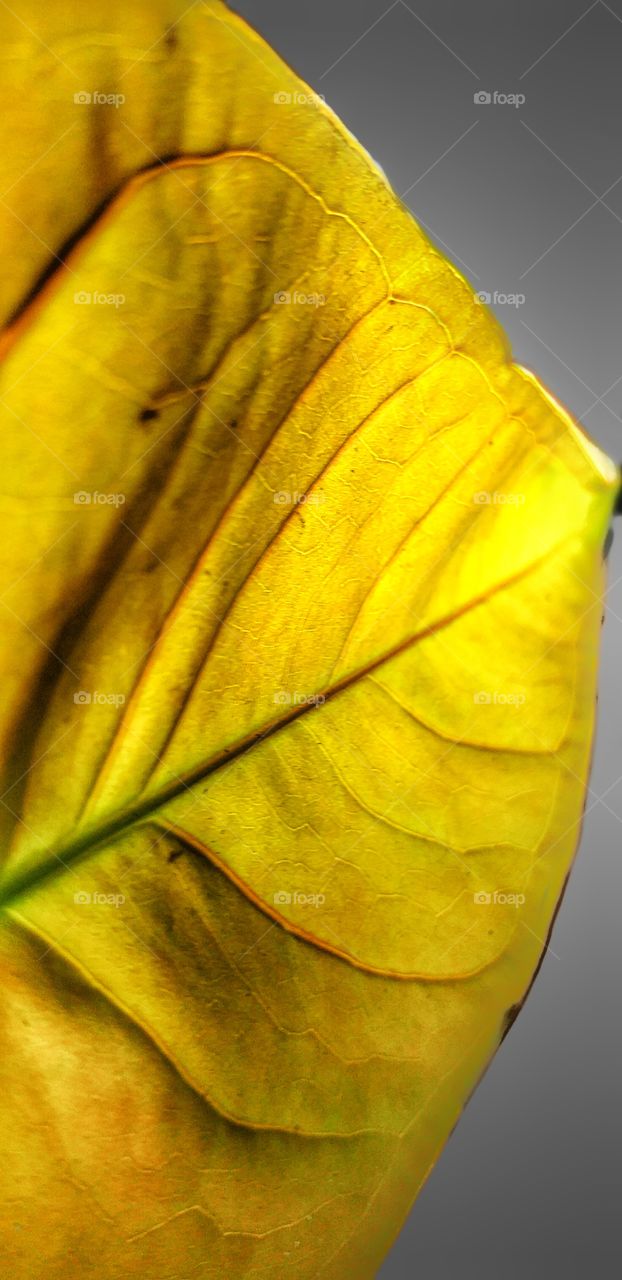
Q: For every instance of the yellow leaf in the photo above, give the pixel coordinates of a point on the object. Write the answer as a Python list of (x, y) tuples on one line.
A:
[(301, 585)]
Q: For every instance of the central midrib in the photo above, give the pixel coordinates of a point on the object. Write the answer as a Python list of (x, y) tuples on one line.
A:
[(61, 860)]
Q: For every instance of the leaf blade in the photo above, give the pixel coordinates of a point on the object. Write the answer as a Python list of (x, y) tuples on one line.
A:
[(325, 1049)]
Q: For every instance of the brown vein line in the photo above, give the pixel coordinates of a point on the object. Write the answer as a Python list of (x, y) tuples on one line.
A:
[(102, 576), (122, 194), (192, 842), (291, 515), (233, 964), (419, 522), (149, 1034), (75, 244), (98, 835), (515, 462), (437, 435), (195, 572)]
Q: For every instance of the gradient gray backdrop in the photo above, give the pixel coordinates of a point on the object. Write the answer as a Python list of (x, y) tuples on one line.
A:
[(529, 1185)]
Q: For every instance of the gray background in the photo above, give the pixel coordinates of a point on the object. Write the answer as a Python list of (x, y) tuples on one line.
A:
[(529, 1184)]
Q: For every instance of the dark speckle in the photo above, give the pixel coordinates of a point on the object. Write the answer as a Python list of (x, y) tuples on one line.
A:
[(146, 415), (617, 510), (170, 40), (510, 1017), (172, 857)]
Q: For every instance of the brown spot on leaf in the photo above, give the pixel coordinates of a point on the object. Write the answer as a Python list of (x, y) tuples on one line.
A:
[(510, 1017)]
